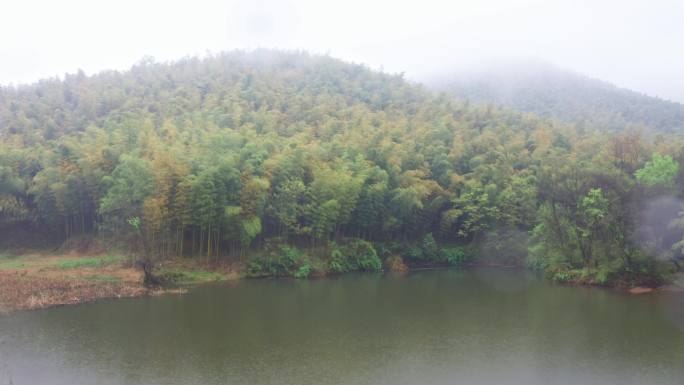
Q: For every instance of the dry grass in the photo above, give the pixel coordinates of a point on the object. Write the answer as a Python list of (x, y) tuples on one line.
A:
[(37, 281), (22, 290)]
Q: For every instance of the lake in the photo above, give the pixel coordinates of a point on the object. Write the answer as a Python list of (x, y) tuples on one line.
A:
[(480, 326)]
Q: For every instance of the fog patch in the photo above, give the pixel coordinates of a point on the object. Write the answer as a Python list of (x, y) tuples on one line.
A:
[(504, 247), (654, 232), (672, 308)]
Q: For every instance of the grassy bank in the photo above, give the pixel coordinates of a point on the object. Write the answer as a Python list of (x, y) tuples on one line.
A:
[(38, 279)]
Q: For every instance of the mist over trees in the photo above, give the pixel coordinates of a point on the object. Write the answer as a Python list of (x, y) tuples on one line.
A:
[(223, 156), (546, 90)]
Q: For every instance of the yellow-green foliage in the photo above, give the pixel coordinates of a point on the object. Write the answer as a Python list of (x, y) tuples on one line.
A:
[(214, 157)]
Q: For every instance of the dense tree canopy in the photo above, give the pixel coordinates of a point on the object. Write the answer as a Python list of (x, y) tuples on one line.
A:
[(219, 156)]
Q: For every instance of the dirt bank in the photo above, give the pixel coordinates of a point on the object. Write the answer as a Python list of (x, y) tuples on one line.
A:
[(36, 281)]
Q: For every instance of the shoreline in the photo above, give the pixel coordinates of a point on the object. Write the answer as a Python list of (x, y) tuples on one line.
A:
[(37, 281)]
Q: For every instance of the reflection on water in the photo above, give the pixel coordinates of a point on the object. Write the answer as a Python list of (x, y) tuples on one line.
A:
[(430, 327)]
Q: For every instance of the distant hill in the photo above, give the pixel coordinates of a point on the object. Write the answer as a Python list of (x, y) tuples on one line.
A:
[(553, 92)]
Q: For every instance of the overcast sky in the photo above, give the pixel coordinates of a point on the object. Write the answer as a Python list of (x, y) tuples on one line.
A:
[(634, 44)]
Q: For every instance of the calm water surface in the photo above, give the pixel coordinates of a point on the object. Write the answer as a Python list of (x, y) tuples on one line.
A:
[(429, 327)]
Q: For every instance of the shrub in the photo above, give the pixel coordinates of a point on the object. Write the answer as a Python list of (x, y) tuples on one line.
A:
[(565, 276), (430, 250), (355, 255), (288, 261), (430, 253), (414, 254), (338, 263), (303, 271), (255, 268), (454, 256), (602, 276), (283, 261), (364, 256), (395, 263)]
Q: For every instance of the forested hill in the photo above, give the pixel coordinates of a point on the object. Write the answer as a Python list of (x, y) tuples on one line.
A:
[(262, 88), (552, 92), (247, 155)]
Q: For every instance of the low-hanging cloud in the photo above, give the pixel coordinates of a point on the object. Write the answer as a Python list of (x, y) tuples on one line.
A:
[(632, 43)]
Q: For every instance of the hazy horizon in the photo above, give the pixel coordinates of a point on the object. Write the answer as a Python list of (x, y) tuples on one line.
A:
[(628, 43)]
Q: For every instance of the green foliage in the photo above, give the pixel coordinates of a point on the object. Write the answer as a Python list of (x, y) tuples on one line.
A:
[(641, 271), (595, 206), (251, 227), (429, 253), (475, 212), (135, 223), (454, 256), (365, 256), (566, 276), (284, 261), (602, 276), (213, 157), (338, 263), (303, 271), (128, 186), (660, 171), (430, 250), (357, 255)]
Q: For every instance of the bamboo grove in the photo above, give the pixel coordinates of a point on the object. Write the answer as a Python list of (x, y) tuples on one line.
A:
[(215, 157)]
